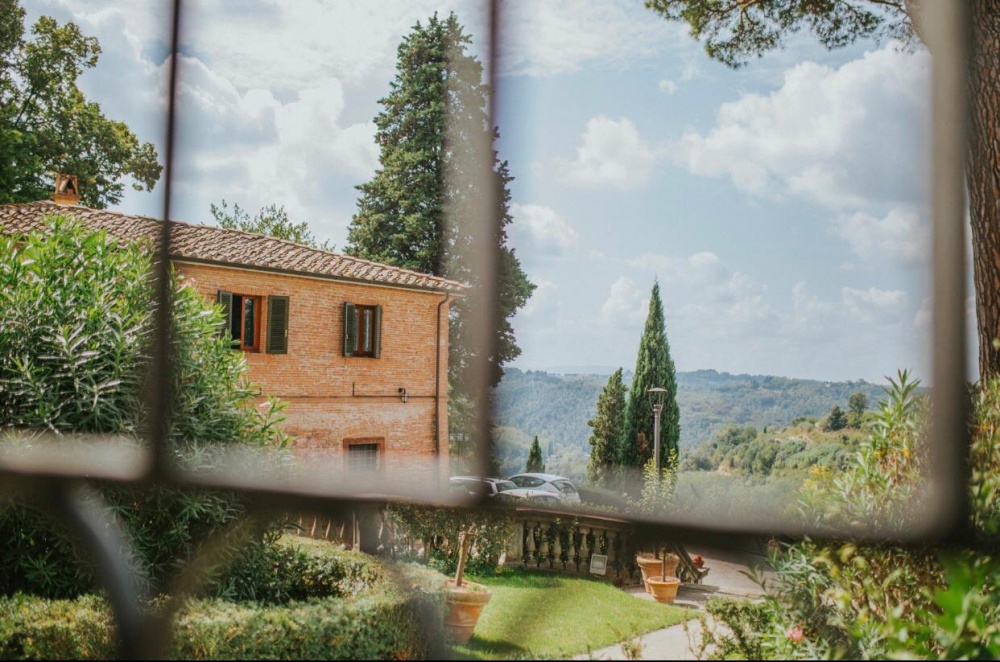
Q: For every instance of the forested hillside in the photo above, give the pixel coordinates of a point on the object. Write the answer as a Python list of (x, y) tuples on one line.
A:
[(557, 408)]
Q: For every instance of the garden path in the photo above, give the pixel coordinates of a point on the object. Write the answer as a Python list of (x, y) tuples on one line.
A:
[(725, 578)]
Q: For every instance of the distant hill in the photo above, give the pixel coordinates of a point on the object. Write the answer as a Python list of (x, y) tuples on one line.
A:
[(557, 408)]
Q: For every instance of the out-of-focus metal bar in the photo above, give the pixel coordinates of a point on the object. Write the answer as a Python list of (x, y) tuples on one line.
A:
[(86, 512), (161, 381), (484, 228), (947, 32)]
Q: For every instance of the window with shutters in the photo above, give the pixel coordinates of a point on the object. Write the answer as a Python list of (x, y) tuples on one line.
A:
[(244, 317), (362, 330)]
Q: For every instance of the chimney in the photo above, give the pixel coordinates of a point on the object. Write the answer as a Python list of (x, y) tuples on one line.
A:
[(67, 191)]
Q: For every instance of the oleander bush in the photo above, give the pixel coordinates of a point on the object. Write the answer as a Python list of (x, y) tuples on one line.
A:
[(75, 332), (850, 599)]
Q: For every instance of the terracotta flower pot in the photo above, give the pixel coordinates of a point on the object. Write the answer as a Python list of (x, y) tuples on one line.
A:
[(653, 567), (464, 605), (663, 590), (649, 566)]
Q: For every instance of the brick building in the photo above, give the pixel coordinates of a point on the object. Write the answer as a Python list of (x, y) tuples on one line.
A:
[(358, 350)]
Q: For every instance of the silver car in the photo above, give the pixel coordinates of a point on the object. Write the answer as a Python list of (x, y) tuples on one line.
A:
[(492, 487), (551, 483)]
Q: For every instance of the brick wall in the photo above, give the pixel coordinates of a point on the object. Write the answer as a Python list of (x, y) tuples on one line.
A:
[(333, 398)]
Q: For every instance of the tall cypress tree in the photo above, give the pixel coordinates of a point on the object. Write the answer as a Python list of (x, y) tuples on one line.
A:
[(535, 462), (401, 216), (607, 428), (653, 368)]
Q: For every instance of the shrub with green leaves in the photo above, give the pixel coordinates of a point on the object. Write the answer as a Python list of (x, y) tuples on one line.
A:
[(858, 600), (75, 331), (348, 606), (438, 530)]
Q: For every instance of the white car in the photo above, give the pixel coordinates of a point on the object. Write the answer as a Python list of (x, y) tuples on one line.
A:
[(551, 483), (492, 487)]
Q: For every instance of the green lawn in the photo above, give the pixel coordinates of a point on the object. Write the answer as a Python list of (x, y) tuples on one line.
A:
[(541, 615)]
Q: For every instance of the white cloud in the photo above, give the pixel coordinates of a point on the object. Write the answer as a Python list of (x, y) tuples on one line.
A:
[(561, 36), (612, 153), (543, 300), (901, 235), (845, 136), (704, 270), (625, 303), (875, 305), (541, 230), (668, 87), (924, 315)]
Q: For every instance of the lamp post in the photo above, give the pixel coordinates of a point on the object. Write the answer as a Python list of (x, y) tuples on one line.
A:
[(657, 396)]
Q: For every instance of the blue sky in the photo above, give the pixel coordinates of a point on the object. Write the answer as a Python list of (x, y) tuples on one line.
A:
[(780, 206)]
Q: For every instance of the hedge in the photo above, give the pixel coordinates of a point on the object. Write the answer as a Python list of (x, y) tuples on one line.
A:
[(396, 613)]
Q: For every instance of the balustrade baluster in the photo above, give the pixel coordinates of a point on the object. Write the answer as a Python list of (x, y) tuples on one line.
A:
[(516, 543), (612, 552), (543, 547), (584, 548), (574, 539), (557, 550), (530, 544)]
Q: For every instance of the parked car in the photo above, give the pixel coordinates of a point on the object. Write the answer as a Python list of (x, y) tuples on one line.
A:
[(551, 483), (493, 487)]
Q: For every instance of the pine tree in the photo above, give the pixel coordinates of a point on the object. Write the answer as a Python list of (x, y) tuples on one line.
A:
[(607, 426), (437, 97), (535, 462), (653, 368), (856, 407), (837, 420)]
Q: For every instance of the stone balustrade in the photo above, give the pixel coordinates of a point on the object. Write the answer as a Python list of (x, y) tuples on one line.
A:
[(565, 543)]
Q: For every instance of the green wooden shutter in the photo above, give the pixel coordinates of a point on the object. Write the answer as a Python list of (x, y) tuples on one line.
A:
[(225, 299), (377, 340), (350, 329), (277, 325)]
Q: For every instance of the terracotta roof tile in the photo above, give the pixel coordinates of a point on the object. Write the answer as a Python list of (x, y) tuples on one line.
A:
[(212, 244)]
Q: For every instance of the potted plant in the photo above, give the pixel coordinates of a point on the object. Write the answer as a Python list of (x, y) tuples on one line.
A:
[(464, 599), (652, 566), (664, 587)]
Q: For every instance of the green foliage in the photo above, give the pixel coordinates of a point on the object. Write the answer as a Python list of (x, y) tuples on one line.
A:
[(535, 463), (47, 125), (35, 628), (607, 428), (743, 641), (355, 608), (862, 600), (984, 459), (657, 487), (733, 32), (653, 369), (837, 419), (437, 530), (965, 621), (271, 221), (75, 327), (416, 210), (557, 408), (713, 496), (856, 408)]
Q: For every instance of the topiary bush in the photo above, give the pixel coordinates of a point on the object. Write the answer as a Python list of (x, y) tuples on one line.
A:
[(357, 608), (75, 330)]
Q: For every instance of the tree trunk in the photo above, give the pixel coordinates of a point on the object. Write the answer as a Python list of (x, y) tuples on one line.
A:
[(983, 178)]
